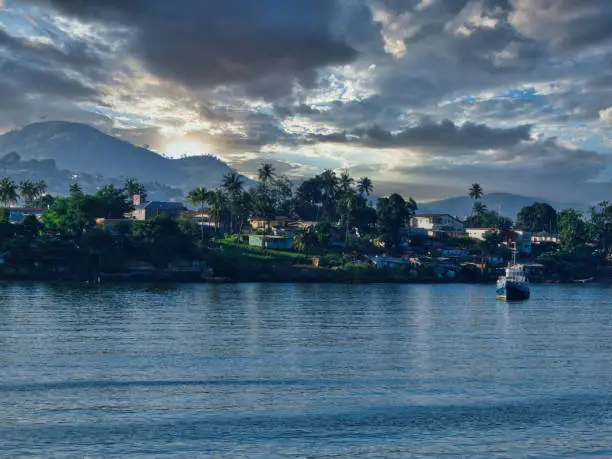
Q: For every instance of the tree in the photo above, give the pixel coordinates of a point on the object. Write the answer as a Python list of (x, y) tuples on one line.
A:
[(485, 218), (199, 197), (28, 192), (306, 239), (365, 186), (218, 205), (329, 186), (492, 239), (476, 192), (232, 184), (572, 229), (41, 188), (392, 215), (266, 173), (8, 192), (345, 182), (75, 189), (347, 209), (132, 187), (538, 217), (45, 201), (601, 225)]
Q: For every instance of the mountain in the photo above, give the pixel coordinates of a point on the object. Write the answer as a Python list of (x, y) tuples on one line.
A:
[(506, 204), (86, 150)]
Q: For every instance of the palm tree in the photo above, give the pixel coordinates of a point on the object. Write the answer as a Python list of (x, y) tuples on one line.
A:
[(329, 185), (8, 193), (345, 181), (476, 192), (306, 239), (46, 201), (28, 192), (217, 202), (199, 196), (266, 173), (75, 189), (132, 187), (365, 186), (348, 205), (41, 188), (232, 184)]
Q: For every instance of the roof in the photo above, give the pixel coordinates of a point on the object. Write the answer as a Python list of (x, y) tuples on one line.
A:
[(437, 215), (278, 217), (27, 209), (161, 205)]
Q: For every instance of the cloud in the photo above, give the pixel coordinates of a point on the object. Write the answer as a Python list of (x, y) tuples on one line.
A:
[(548, 168), (363, 84), (237, 41), (606, 115), (564, 24), (444, 135)]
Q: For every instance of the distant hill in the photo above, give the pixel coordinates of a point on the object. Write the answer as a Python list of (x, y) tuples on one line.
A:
[(506, 204), (84, 149)]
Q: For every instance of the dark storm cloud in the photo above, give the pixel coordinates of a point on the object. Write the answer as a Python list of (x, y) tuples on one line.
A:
[(219, 42), (445, 135)]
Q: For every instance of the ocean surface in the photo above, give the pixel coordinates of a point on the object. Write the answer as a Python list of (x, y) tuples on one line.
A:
[(304, 371)]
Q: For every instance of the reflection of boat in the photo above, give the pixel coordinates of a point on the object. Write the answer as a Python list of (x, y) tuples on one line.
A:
[(583, 281), (513, 285)]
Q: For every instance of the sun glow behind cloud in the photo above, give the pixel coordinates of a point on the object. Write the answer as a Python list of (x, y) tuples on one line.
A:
[(181, 147)]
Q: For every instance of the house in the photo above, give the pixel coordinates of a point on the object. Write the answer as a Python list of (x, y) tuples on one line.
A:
[(478, 233), (115, 226), (203, 216), (271, 242), (521, 238), (539, 238), (437, 223), (148, 210), (17, 214), (272, 222)]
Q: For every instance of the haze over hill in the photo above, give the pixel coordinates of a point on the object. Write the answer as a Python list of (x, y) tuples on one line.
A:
[(506, 204), (84, 149)]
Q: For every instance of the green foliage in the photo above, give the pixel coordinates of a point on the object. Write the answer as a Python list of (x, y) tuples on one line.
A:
[(8, 192), (536, 218), (476, 191), (393, 214), (365, 186), (70, 216), (600, 226), (306, 239), (484, 218), (572, 230), (132, 187)]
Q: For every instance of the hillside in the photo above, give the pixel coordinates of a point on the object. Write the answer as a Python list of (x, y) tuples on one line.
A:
[(505, 203), (85, 150)]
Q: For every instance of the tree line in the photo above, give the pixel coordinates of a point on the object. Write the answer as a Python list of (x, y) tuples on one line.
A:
[(335, 201)]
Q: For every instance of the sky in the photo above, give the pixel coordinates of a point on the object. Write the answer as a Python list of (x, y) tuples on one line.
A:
[(423, 96)]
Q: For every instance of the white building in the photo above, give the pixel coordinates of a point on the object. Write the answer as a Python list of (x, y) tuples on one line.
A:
[(443, 223), (478, 233)]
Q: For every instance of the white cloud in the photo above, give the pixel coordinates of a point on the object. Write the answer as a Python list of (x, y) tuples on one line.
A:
[(606, 115)]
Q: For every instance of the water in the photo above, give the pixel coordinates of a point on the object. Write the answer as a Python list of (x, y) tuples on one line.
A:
[(310, 371)]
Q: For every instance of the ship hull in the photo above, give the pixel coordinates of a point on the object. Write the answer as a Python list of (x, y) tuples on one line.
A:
[(513, 291)]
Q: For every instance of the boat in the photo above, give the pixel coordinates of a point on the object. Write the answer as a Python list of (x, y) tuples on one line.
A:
[(513, 284), (583, 281)]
